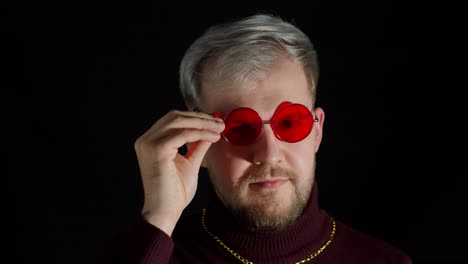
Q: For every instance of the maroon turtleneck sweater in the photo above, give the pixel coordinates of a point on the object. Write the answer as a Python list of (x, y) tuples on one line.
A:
[(143, 243)]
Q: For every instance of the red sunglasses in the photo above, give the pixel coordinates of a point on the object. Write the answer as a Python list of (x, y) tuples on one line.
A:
[(290, 122)]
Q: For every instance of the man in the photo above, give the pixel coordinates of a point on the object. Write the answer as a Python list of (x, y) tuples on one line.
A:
[(250, 89)]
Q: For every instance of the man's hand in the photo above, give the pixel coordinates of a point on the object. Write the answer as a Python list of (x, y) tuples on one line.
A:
[(169, 178)]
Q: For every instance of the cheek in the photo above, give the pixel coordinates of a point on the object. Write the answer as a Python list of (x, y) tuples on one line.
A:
[(302, 158), (225, 164)]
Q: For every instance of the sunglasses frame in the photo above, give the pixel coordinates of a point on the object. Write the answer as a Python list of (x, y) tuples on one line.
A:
[(270, 122)]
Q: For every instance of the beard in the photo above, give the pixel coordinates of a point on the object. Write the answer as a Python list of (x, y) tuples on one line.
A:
[(266, 211)]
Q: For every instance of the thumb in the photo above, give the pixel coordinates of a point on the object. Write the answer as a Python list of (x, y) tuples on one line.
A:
[(196, 152)]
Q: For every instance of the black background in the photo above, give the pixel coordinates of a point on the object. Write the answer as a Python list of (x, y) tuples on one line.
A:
[(90, 78)]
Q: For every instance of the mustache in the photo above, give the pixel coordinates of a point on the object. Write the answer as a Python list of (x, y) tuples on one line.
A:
[(265, 171)]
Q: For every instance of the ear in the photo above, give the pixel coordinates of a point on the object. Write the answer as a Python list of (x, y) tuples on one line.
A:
[(318, 126), (203, 163)]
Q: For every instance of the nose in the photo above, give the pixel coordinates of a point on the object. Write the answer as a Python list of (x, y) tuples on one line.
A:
[(267, 149)]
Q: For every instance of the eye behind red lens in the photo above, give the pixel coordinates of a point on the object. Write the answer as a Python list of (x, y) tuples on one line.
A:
[(293, 123), (242, 126)]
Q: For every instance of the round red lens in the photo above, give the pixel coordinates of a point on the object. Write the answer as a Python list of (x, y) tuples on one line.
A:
[(242, 126), (293, 123)]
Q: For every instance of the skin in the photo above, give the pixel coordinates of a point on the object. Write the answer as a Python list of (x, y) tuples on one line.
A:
[(279, 171)]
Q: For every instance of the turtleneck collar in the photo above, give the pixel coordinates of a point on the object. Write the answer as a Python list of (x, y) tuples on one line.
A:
[(299, 240)]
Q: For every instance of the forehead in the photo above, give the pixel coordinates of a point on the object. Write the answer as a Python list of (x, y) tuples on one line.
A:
[(285, 81)]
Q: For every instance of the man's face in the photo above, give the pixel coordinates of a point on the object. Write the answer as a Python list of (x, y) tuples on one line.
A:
[(266, 184)]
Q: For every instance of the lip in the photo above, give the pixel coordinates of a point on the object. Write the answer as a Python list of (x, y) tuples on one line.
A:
[(270, 183)]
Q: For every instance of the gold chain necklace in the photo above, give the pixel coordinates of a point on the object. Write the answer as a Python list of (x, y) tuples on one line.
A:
[(245, 261)]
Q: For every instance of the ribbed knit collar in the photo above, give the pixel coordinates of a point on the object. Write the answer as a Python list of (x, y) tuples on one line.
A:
[(297, 241)]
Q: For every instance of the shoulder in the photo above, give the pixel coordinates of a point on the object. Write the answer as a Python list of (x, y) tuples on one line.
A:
[(365, 248)]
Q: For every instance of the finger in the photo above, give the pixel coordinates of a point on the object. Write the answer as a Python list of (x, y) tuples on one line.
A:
[(191, 120), (181, 137), (173, 141), (197, 152), (173, 113), (195, 114)]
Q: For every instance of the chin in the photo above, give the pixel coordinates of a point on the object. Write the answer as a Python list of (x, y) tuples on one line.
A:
[(269, 213), (276, 211)]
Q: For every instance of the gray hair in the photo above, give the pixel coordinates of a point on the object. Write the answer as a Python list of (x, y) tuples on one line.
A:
[(243, 50)]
